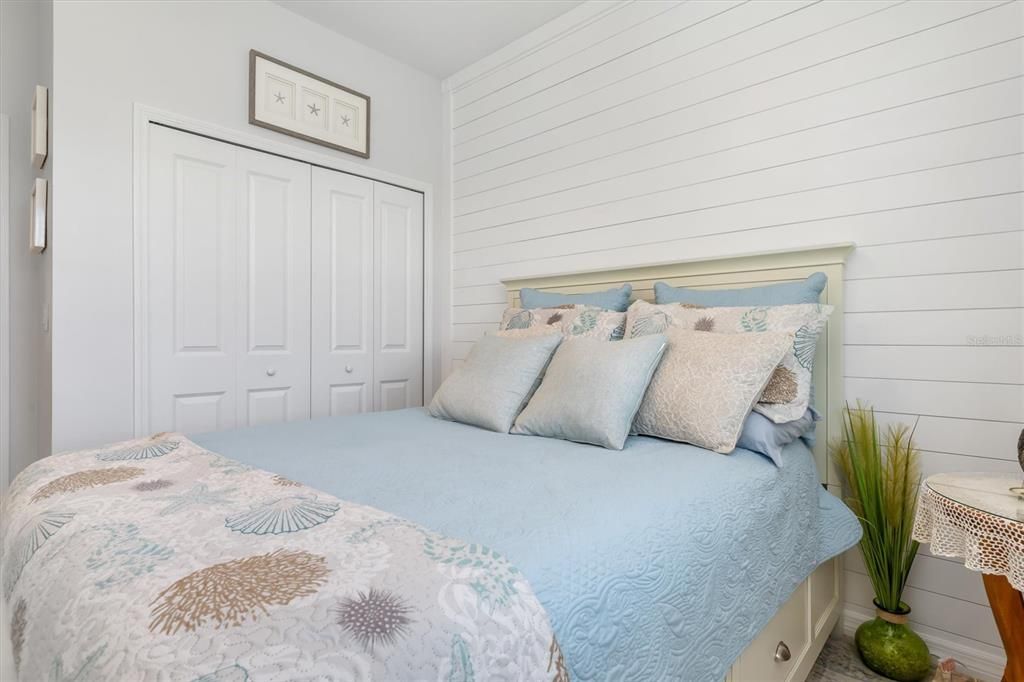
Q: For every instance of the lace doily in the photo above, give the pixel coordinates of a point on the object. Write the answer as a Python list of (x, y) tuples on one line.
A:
[(987, 542)]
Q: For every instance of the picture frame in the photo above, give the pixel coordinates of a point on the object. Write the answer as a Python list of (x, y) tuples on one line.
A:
[(40, 119), (290, 100), (37, 216)]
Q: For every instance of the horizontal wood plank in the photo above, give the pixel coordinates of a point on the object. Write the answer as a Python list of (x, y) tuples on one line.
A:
[(964, 327), (982, 364), (946, 291), (975, 438), (933, 575), (994, 402)]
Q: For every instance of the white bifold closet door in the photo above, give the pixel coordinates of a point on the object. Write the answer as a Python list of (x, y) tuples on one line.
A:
[(273, 290), (367, 296), (228, 285)]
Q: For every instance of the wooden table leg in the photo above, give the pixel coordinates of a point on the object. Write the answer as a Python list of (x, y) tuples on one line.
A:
[(1008, 609)]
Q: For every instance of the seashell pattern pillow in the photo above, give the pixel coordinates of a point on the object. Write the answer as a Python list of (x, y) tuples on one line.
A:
[(573, 321), (788, 393), (527, 333)]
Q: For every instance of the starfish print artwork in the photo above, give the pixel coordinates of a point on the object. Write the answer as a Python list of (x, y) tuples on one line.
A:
[(314, 109), (345, 120), (279, 97)]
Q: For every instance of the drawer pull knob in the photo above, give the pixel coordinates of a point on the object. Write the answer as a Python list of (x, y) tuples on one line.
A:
[(271, 371), (348, 369), (782, 653)]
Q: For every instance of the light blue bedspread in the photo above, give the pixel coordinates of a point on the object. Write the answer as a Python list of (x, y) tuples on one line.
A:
[(662, 561)]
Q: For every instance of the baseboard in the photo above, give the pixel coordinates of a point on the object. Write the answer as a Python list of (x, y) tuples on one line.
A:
[(981, 660)]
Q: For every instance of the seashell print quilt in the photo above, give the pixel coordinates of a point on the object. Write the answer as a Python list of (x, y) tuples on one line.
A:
[(157, 559)]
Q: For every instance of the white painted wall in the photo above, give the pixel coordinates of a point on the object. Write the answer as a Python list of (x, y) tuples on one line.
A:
[(25, 61), (635, 132), (190, 58)]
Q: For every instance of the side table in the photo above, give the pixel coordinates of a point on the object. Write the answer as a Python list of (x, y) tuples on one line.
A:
[(976, 518)]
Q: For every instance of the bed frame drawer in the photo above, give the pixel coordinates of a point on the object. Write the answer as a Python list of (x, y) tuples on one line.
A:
[(785, 650), (782, 643)]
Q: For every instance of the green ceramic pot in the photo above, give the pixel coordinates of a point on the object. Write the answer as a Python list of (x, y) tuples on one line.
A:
[(888, 646)]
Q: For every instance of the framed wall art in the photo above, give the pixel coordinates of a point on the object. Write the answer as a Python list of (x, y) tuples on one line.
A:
[(37, 216), (40, 117), (298, 103)]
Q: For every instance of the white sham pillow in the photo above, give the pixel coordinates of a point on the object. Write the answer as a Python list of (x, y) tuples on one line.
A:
[(788, 393), (707, 384), (573, 321), (527, 333)]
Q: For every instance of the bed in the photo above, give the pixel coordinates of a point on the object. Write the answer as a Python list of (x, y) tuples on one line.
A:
[(480, 555), (652, 563)]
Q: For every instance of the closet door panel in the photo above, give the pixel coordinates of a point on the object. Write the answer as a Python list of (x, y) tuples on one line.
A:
[(349, 398), (273, 256), (201, 412), (190, 327), (397, 394), (342, 295), (267, 233), (398, 337)]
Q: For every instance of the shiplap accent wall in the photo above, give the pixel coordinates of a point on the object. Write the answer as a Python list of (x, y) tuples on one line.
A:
[(637, 132)]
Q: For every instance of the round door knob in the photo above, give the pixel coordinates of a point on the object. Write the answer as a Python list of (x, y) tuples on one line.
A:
[(782, 653), (271, 371), (348, 369)]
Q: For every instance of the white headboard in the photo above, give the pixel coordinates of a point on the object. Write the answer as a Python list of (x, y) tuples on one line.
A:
[(735, 272)]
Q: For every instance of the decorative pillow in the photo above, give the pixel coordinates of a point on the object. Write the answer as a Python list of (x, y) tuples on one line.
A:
[(616, 299), (810, 436), (494, 382), (706, 385), (573, 321), (521, 318), (528, 332), (592, 390), (787, 395), (761, 434), (786, 293)]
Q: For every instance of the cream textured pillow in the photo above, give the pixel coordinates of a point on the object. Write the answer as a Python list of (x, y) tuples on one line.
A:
[(706, 384), (573, 321), (788, 393)]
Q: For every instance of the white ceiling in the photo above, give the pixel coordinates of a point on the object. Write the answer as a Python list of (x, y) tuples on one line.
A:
[(437, 36)]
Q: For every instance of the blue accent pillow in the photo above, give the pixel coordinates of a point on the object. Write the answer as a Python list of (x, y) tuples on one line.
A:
[(811, 436), (616, 299), (762, 435), (592, 390), (786, 293), (495, 381)]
